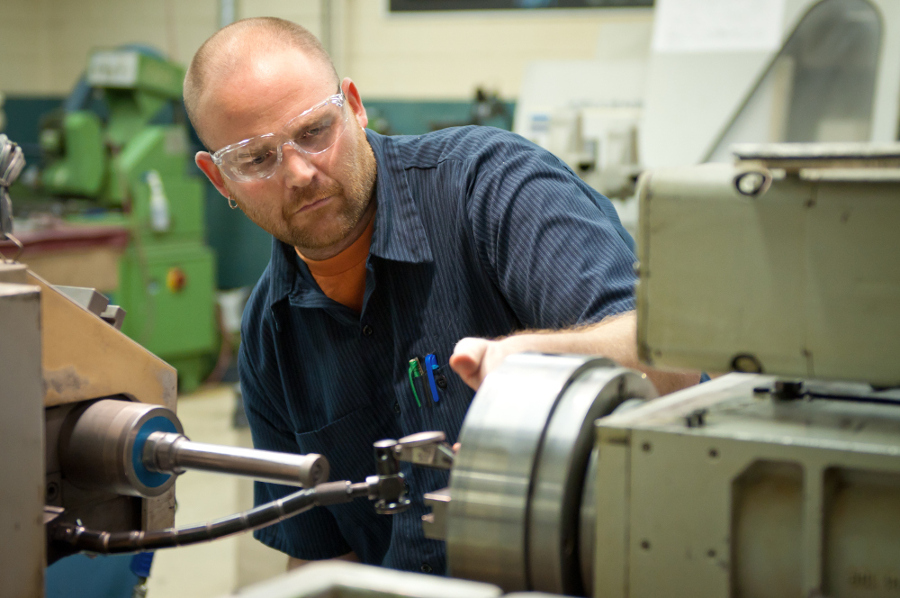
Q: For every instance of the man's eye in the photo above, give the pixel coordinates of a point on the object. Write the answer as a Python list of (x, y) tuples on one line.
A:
[(315, 130), (255, 158), (312, 132)]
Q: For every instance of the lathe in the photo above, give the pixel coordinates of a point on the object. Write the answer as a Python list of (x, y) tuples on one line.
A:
[(781, 478)]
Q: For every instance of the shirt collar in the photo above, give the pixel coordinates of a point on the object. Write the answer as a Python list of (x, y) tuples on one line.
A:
[(399, 234)]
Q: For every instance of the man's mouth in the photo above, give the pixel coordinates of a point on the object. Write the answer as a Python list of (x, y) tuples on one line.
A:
[(314, 204)]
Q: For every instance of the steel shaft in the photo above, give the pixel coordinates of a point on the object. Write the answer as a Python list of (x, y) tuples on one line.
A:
[(174, 453)]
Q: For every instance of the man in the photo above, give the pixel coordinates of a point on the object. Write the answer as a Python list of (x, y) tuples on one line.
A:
[(387, 251)]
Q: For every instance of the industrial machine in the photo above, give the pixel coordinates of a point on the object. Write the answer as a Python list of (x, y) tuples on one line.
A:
[(779, 479), (118, 158)]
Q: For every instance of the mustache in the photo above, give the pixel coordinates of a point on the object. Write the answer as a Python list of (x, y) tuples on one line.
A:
[(313, 193)]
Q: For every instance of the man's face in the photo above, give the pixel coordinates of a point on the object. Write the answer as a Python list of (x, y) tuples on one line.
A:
[(311, 201)]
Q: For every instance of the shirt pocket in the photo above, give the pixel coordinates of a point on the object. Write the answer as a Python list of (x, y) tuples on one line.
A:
[(347, 443)]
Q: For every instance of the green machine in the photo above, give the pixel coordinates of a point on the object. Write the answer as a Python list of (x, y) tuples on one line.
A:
[(137, 171)]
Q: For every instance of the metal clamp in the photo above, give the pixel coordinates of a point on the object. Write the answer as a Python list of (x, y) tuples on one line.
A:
[(429, 449)]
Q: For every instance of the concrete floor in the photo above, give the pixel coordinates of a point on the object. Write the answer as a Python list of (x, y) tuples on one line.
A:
[(221, 567)]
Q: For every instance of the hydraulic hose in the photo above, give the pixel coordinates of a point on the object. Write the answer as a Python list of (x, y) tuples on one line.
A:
[(101, 542)]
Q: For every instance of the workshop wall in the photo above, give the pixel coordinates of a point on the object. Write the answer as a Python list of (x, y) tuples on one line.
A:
[(25, 53), (447, 55), (51, 53), (443, 55)]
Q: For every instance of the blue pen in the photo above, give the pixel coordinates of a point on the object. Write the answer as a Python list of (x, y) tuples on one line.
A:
[(430, 366)]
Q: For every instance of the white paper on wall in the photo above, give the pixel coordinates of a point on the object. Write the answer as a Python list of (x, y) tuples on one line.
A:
[(717, 25)]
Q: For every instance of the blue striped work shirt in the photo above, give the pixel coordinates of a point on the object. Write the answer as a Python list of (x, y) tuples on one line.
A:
[(478, 232)]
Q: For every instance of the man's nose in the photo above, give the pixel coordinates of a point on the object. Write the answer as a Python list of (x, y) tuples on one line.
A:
[(298, 169)]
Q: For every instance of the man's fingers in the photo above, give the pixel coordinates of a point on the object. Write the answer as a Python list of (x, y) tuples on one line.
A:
[(468, 355), (467, 360)]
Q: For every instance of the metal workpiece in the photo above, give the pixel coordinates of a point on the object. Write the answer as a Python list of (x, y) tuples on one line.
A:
[(95, 302), (524, 447), (101, 447), (171, 453), (489, 488)]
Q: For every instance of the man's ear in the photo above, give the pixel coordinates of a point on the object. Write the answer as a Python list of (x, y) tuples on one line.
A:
[(355, 101), (205, 163)]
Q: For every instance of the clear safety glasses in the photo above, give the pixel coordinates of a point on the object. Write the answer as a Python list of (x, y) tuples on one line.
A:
[(312, 132)]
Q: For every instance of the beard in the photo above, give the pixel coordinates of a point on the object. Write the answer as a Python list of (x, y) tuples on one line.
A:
[(308, 235), (351, 194)]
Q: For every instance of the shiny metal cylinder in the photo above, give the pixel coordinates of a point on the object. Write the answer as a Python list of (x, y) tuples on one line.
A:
[(175, 453), (101, 447), (490, 483), (517, 483), (560, 474)]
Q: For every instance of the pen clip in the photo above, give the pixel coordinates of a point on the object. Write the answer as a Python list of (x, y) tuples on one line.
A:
[(415, 371), (430, 366)]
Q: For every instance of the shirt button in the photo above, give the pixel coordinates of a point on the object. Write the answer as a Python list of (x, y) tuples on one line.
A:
[(367, 330), (397, 407), (426, 568)]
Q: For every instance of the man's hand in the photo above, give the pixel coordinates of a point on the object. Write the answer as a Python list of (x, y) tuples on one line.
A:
[(475, 358), (615, 337)]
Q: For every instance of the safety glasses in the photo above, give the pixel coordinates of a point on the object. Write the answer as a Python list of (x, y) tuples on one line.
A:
[(311, 132)]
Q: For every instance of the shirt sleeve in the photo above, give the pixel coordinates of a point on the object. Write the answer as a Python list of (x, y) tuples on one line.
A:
[(552, 244), (312, 535)]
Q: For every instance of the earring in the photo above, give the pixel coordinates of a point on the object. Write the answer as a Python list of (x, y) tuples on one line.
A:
[(231, 203)]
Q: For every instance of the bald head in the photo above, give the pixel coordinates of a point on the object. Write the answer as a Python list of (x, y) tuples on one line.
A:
[(236, 45)]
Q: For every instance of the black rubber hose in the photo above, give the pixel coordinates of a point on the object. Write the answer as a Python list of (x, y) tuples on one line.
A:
[(270, 513)]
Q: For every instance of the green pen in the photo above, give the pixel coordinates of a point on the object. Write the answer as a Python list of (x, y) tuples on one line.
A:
[(415, 371)]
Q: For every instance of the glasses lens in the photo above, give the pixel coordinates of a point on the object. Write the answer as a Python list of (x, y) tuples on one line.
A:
[(316, 132), (255, 159)]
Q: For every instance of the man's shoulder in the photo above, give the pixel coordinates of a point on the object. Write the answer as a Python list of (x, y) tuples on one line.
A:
[(469, 143)]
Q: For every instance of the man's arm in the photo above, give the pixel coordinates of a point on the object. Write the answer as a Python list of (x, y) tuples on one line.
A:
[(294, 563), (615, 337)]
